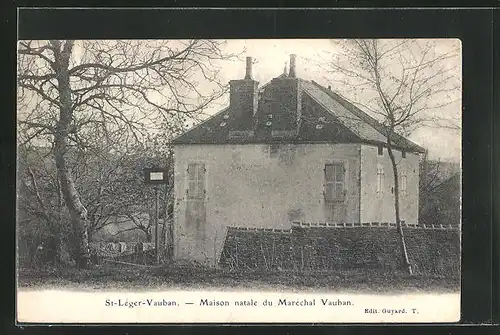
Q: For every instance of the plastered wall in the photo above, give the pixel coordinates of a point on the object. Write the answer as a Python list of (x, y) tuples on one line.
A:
[(254, 185), (379, 207)]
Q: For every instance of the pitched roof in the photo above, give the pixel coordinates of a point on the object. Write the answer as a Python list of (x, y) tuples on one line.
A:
[(371, 129), (335, 121)]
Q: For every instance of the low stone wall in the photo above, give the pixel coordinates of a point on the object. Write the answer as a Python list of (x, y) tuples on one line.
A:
[(319, 247), (257, 249)]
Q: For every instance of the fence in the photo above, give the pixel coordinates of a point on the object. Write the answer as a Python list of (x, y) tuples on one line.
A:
[(432, 249), (133, 252)]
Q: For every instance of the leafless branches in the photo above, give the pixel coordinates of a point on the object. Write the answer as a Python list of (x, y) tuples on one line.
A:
[(101, 98), (119, 86), (406, 84)]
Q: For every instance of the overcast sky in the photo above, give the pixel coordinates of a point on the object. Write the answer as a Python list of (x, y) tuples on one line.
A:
[(271, 55)]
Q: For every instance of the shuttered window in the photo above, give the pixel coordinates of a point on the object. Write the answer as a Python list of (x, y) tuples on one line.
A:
[(334, 182), (403, 183), (380, 180), (196, 181)]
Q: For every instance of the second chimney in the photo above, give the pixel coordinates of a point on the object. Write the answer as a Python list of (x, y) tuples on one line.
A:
[(243, 98), (248, 73), (292, 66)]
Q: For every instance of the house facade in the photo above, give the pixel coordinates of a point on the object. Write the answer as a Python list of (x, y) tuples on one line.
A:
[(291, 150)]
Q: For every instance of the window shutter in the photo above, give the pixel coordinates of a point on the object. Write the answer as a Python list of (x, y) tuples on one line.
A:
[(329, 191), (340, 182), (191, 170), (192, 187), (196, 180), (191, 179), (334, 182), (403, 183), (380, 180), (339, 191), (329, 173), (200, 186)]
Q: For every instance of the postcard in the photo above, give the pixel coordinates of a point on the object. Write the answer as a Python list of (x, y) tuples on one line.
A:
[(239, 181)]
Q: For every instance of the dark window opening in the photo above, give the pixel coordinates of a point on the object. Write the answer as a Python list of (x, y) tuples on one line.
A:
[(403, 154), (273, 150), (380, 150)]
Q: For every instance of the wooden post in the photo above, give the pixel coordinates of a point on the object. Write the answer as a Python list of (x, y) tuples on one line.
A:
[(157, 214)]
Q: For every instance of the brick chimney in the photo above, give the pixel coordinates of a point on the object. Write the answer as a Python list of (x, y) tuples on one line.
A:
[(292, 72), (243, 99), (281, 104), (248, 73)]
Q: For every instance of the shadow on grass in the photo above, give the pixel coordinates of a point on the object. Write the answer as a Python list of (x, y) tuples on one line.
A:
[(189, 277)]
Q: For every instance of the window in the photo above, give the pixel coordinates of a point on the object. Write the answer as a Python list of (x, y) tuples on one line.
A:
[(380, 150), (274, 150), (403, 183), (334, 182), (196, 181), (380, 180), (403, 154)]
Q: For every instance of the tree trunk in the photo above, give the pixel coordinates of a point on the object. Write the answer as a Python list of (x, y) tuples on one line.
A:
[(77, 210), (149, 235), (405, 262)]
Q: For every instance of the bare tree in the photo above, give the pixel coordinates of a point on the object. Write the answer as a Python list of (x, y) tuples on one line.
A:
[(39, 207), (71, 91), (405, 84), (113, 186)]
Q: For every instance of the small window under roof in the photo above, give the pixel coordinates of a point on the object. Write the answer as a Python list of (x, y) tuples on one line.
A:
[(240, 134), (226, 117)]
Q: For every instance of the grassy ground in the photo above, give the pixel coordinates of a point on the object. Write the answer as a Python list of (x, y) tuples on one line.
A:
[(124, 277)]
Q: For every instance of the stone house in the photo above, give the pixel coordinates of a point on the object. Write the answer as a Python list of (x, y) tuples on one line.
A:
[(290, 150)]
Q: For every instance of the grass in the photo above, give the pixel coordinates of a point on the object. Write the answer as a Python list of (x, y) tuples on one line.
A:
[(173, 277)]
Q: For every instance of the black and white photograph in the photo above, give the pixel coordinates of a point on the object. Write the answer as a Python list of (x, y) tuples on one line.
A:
[(239, 180)]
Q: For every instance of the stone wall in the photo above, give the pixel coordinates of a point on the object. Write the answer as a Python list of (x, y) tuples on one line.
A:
[(432, 250)]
